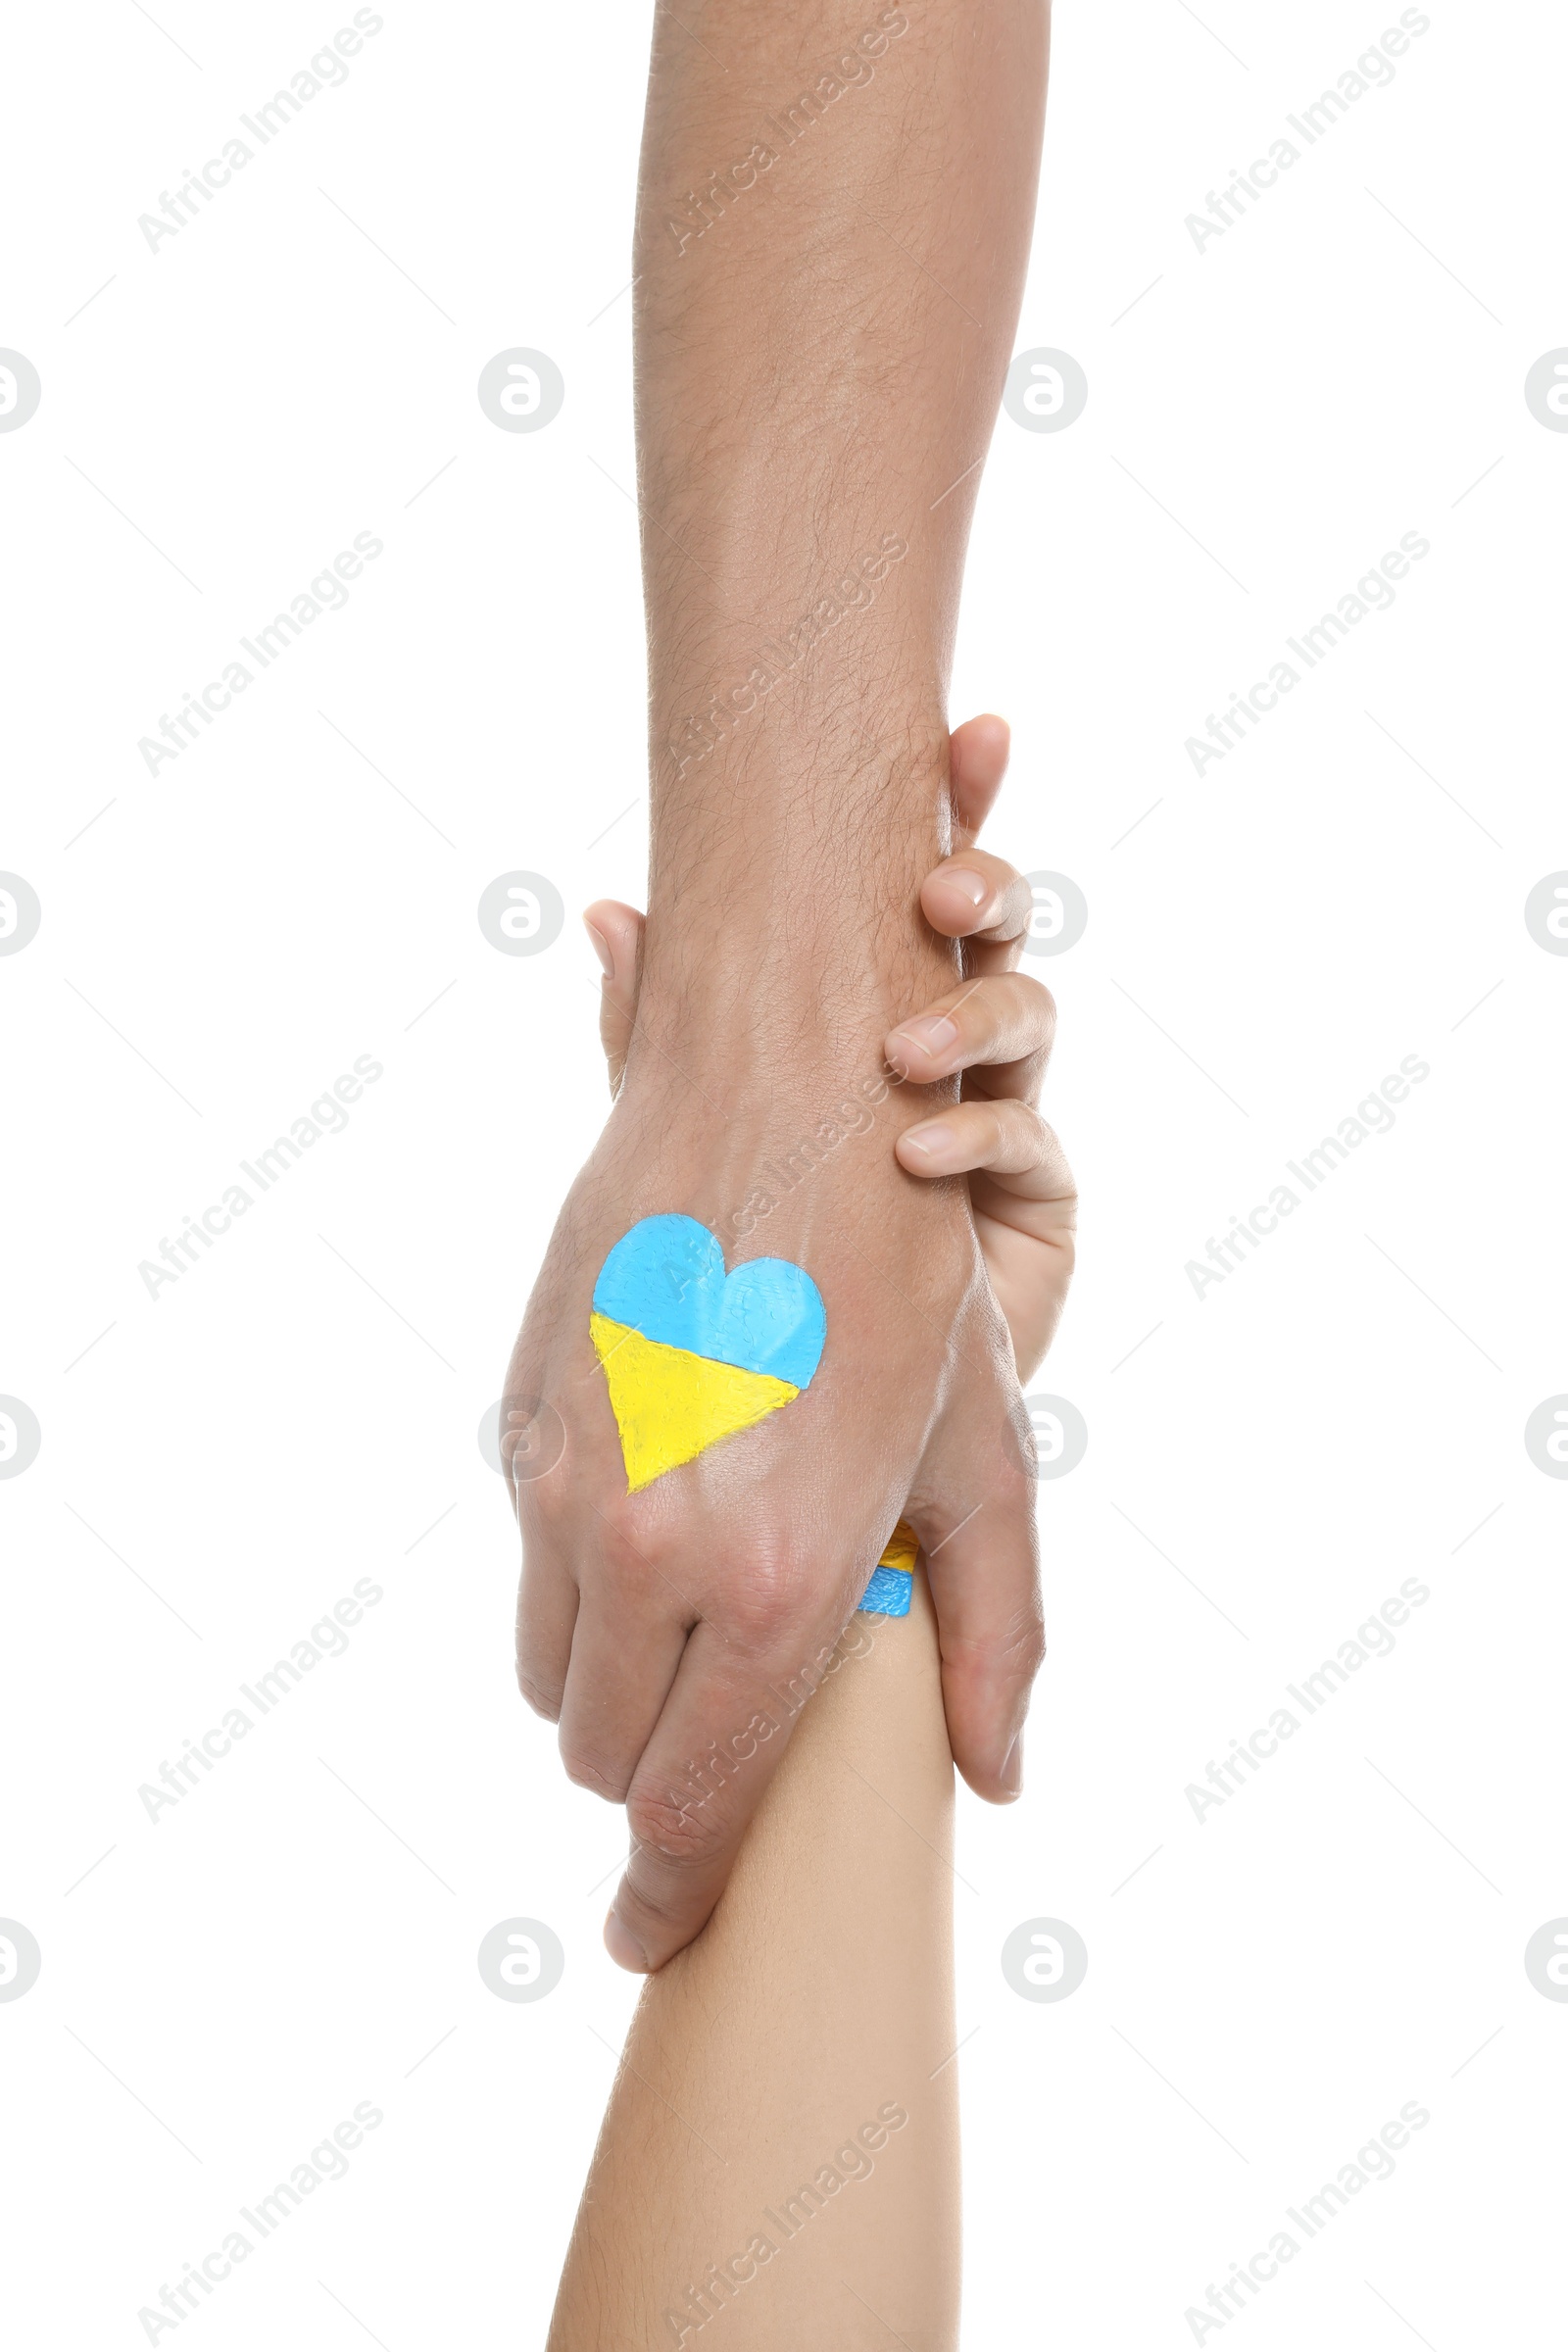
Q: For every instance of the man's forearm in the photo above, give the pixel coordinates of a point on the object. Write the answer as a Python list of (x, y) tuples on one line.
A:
[(834, 220)]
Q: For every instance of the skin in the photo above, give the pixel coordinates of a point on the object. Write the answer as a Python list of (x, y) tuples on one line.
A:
[(1002, 1023), (817, 376), (819, 1993), (819, 1996)]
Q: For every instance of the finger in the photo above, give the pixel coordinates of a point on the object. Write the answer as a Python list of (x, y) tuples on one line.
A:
[(626, 1654), (1008, 1139), (982, 899), (977, 759), (1024, 1204), (981, 1561), (1021, 1189), (699, 1781), (617, 933), (1004, 1023), (547, 1611)]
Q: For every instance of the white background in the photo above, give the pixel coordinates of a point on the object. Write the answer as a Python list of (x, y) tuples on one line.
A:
[(1343, 365)]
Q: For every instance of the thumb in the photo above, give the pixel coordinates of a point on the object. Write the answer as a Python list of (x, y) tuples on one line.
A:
[(977, 756), (617, 933), (982, 1563)]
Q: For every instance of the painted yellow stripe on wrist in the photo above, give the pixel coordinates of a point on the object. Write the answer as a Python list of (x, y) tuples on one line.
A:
[(891, 1586)]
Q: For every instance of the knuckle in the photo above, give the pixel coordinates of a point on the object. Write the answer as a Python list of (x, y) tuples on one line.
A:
[(544, 1505), (593, 1773), (663, 1825), (1024, 1643), (1033, 1008), (773, 1599), (1018, 900), (1025, 1131), (620, 1556), (543, 1697), (1012, 1648), (987, 1008), (641, 1579)]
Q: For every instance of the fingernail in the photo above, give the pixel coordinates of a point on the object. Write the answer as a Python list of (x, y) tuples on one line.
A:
[(601, 947), (968, 884), (623, 1945), (1012, 1774), (933, 1035), (932, 1137)]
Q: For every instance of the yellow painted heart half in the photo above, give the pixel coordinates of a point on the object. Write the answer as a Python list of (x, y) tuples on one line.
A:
[(691, 1352), (670, 1405)]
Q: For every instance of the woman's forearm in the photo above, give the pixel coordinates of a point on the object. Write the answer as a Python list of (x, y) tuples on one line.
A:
[(780, 2161)]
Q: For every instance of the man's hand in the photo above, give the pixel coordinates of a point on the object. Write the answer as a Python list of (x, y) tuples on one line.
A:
[(1021, 1191), (674, 1633), (831, 238)]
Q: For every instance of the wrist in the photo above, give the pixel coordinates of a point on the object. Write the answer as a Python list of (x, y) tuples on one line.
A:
[(798, 1158), (746, 1013)]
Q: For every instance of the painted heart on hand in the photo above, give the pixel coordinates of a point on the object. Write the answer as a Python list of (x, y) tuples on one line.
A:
[(693, 1353)]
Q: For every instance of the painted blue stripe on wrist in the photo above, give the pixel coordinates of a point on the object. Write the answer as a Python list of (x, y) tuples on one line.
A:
[(889, 1592)]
